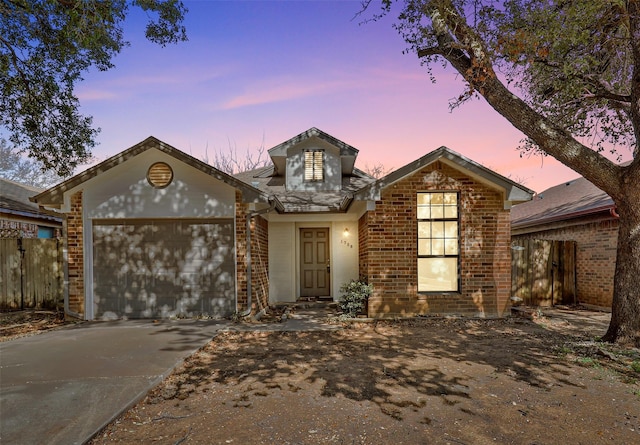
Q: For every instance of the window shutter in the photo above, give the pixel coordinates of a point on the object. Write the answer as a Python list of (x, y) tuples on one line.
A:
[(313, 165)]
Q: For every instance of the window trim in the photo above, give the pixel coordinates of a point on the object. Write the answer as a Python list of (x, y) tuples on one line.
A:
[(457, 219), (314, 167)]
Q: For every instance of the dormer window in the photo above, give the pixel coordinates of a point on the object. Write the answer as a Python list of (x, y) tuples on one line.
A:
[(314, 165)]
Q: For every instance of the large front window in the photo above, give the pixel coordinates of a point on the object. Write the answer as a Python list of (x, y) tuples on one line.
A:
[(313, 166), (438, 242)]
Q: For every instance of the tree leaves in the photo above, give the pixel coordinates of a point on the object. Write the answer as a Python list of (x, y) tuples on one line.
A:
[(45, 46)]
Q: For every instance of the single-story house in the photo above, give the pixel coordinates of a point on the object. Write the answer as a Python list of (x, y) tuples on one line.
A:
[(154, 232), (21, 218), (576, 211)]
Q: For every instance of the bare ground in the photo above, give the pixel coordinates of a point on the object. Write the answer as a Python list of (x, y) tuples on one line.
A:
[(29, 322), (419, 381)]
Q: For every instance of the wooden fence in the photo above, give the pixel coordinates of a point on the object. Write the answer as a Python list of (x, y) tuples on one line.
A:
[(30, 273), (543, 272)]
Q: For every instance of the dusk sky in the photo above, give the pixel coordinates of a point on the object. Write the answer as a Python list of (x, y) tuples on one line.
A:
[(259, 72)]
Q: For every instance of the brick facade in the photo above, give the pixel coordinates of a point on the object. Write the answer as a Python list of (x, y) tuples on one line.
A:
[(260, 262), (596, 244), (259, 259), (388, 256), (73, 228)]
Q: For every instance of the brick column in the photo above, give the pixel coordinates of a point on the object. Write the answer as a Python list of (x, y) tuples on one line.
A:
[(73, 227)]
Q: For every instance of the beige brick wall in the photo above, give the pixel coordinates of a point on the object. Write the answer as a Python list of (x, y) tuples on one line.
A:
[(389, 234), (596, 243), (73, 227)]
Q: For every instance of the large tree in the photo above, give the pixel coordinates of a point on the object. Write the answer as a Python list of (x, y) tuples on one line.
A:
[(567, 74), (45, 47)]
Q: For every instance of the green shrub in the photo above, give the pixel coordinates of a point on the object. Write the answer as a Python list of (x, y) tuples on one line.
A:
[(354, 296)]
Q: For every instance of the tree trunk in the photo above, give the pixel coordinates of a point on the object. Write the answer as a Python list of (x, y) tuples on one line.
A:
[(625, 311)]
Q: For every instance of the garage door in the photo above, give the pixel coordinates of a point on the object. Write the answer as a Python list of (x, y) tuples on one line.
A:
[(162, 269)]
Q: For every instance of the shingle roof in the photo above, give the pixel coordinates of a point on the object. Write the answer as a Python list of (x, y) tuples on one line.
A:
[(306, 202), (14, 199), (571, 199)]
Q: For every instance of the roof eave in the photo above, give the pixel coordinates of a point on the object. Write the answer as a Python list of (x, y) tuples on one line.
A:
[(513, 192), (565, 216)]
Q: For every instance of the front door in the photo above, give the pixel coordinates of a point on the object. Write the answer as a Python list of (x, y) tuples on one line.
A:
[(314, 262)]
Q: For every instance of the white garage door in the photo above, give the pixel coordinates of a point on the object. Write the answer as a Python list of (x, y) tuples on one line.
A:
[(161, 269)]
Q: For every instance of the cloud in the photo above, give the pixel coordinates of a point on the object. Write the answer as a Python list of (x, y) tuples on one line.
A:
[(89, 94), (281, 90), (290, 88), (118, 85)]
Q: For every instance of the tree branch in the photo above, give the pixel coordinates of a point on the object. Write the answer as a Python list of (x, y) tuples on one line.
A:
[(476, 68)]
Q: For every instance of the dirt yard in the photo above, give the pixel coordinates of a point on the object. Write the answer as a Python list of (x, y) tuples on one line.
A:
[(423, 381), (24, 323)]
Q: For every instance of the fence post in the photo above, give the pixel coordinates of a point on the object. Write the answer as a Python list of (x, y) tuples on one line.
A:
[(21, 250)]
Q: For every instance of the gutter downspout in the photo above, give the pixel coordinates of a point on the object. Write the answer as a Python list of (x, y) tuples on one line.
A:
[(250, 215)]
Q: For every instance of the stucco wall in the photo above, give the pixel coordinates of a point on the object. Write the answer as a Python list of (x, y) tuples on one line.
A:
[(284, 242), (124, 192)]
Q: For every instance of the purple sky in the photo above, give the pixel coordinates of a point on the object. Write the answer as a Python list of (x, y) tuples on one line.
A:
[(262, 71)]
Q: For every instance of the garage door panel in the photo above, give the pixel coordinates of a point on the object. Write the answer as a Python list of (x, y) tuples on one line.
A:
[(164, 269)]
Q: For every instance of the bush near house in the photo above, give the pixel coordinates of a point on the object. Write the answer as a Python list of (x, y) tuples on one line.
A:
[(354, 296)]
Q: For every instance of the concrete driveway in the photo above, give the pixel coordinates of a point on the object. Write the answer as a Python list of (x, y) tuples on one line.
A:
[(62, 387)]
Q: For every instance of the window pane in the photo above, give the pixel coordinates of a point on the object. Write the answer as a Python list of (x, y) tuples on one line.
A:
[(437, 229), (437, 212), (450, 211), (424, 247), (451, 229), (451, 247), (437, 247), (424, 198), (424, 229), (424, 213), (437, 274), (451, 199), (437, 198)]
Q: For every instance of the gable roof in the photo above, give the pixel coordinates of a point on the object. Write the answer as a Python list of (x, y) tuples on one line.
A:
[(54, 197), (513, 191), (348, 153), (14, 200), (572, 199)]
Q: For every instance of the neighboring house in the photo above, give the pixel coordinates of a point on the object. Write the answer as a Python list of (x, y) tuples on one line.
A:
[(20, 218), (154, 232), (576, 211)]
